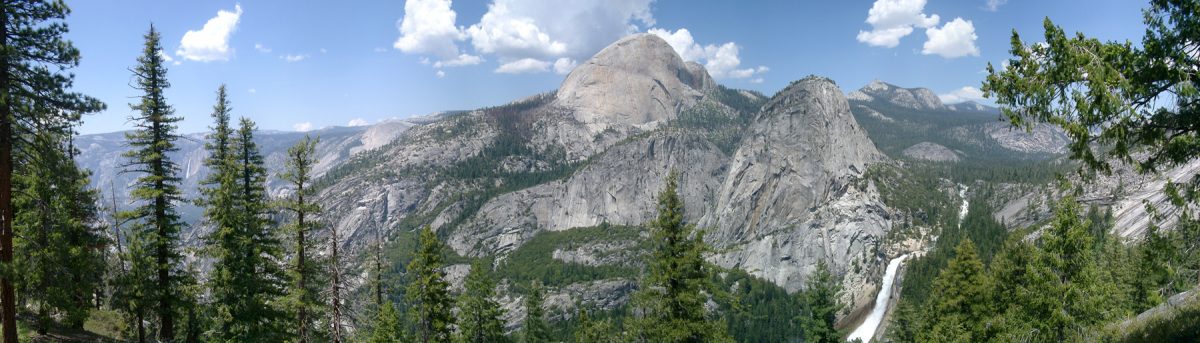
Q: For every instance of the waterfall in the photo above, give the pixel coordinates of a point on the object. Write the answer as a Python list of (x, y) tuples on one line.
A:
[(866, 330)]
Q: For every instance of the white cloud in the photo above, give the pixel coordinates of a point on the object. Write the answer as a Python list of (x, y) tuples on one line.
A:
[(721, 61), (893, 19), (757, 80), (524, 65), (262, 48), (461, 60), (253, 91), (302, 127), (993, 5), (211, 43), (440, 74), (167, 58), (358, 122), (967, 93), (507, 34), (515, 30), (294, 57), (954, 39), (428, 28), (381, 49), (564, 65)]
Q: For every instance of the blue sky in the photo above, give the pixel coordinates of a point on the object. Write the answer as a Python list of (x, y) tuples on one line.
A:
[(297, 65)]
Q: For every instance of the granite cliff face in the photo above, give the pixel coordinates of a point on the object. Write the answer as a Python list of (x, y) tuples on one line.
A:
[(638, 81), (779, 187)]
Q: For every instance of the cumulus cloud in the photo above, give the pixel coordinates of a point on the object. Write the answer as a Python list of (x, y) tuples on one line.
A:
[(294, 57), (440, 74), (993, 5), (564, 65), (721, 61), (358, 122), (894, 19), (515, 32), (502, 32), (954, 39), (211, 43), (524, 65), (428, 28), (262, 48), (516, 29), (302, 127), (967, 93)]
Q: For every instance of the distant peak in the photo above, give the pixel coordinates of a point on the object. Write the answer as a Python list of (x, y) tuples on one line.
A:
[(915, 98), (638, 80)]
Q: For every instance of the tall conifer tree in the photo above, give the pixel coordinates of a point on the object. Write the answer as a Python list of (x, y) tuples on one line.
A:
[(479, 313), (428, 293), (303, 271), (535, 329), (670, 300), (157, 189), (34, 99)]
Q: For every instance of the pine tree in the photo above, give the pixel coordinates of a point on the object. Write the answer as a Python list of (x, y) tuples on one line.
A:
[(1153, 270), (535, 329), (387, 325), (157, 190), (136, 288), (1116, 101), (479, 314), (959, 303), (59, 244), (1067, 294), (246, 280), (304, 271), (428, 293), (336, 288), (34, 100), (821, 306), (670, 299)]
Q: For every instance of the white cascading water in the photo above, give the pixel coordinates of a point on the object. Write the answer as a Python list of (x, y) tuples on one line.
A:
[(866, 330), (962, 210)]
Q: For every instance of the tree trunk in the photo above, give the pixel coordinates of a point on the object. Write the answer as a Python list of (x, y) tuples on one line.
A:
[(301, 284), (166, 317), (8, 308), (335, 289)]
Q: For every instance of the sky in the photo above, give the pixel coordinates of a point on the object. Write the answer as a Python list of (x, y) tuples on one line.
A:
[(298, 65)]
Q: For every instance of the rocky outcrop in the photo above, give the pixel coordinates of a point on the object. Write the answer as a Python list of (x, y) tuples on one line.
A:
[(914, 98), (794, 193), (638, 81), (1042, 138), (928, 151)]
